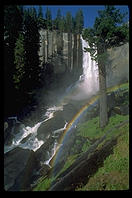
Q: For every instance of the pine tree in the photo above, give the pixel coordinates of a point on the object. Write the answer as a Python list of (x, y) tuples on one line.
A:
[(62, 24), (48, 18), (12, 27), (31, 40), (107, 32), (40, 20), (54, 24), (68, 22), (79, 22), (58, 19), (40, 12), (33, 13), (19, 62)]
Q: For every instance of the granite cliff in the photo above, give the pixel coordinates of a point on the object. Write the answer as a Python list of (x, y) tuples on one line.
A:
[(62, 53)]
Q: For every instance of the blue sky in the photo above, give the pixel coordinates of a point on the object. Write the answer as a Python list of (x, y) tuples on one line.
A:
[(90, 12)]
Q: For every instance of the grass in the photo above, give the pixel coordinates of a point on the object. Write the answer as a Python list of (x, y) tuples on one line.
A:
[(43, 185), (120, 87), (90, 129), (90, 132), (86, 146), (68, 163), (114, 175)]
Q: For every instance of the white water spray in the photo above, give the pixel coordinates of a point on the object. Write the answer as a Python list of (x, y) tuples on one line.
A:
[(32, 141), (52, 153), (88, 84), (90, 72)]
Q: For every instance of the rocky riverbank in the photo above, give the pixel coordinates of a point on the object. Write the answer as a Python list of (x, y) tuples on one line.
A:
[(90, 146)]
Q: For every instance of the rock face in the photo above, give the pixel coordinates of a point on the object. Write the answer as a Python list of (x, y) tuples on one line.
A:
[(62, 52), (67, 45), (18, 167), (118, 65)]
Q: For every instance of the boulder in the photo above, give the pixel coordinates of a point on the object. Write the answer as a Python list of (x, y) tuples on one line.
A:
[(41, 153), (8, 128), (18, 168), (44, 170), (125, 110), (11, 128), (117, 110), (5, 125), (122, 110)]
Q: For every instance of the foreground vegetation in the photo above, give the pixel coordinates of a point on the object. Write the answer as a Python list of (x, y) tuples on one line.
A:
[(113, 174)]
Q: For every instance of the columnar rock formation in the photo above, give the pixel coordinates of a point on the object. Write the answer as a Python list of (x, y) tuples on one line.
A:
[(63, 50)]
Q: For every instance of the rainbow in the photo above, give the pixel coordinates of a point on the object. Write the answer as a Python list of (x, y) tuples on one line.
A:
[(77, 117)]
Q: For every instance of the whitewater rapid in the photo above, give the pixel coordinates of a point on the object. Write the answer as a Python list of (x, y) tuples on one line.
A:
[(32, 142)]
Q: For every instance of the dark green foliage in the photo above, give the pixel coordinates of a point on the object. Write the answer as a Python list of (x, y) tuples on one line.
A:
[(59, 22), (62, 24), (19, 62), (58, 19), (12, 26), (48, 18), (31, 38), (68, 22), (40, 13), (22, 73), (12, 23), (33, 13), (108, 31), (79, 22), (21, 46), (41, 21)]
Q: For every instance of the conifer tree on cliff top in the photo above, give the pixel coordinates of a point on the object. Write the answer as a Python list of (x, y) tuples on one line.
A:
[(108, 31)]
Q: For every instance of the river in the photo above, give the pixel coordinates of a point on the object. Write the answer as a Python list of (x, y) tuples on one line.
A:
[(44, 137)]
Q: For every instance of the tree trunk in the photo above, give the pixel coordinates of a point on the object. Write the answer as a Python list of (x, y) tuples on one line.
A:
[(103, 117)]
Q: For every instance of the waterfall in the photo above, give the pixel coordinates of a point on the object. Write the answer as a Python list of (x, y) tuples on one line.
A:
[(88, 84), (57, 122), (89, 77), (85, 87)]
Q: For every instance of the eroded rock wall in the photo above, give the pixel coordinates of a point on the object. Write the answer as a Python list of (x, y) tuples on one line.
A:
[(118, 65), (63, 50)]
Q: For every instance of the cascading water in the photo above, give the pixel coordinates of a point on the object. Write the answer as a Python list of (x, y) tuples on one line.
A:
[(88, 84), (32, 142), (90, 72), (84, 88)]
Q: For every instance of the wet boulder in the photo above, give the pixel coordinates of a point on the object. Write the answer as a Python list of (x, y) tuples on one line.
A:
[(11, 127), (18, 168), (44, 170)]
